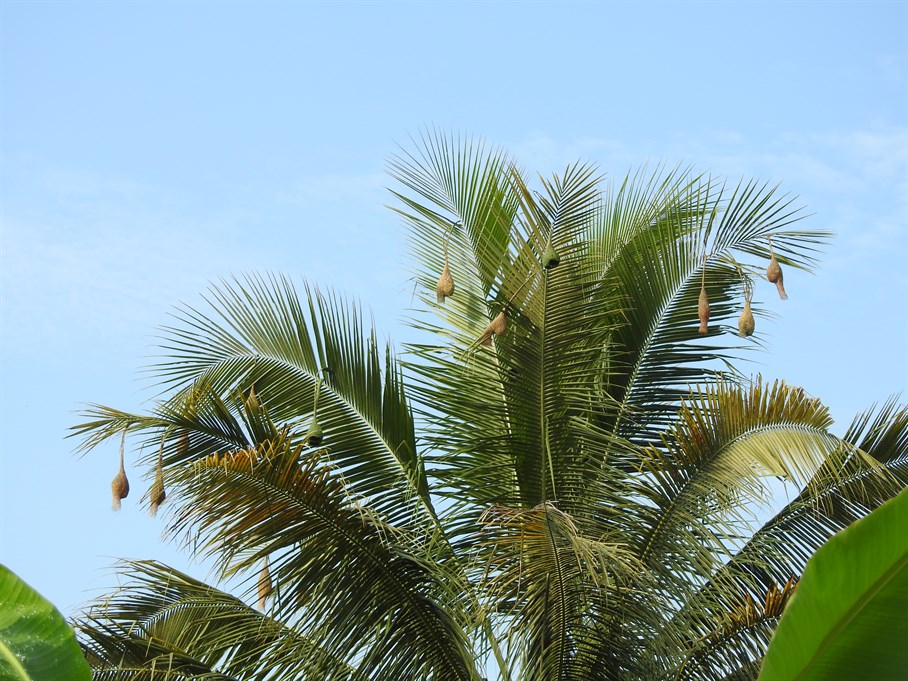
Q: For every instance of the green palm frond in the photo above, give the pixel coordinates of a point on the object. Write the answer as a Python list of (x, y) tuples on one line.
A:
[(848, 486), (587, 493), (165, 624), (756, 211), (738, 637), (850, 483), (293, 348), (726, 442), (262, 335), (657, 246), (506, 397), (337, 566), (541, 574), (457, 187)]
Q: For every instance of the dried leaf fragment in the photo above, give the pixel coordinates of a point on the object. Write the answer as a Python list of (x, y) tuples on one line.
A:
[(265, 586)]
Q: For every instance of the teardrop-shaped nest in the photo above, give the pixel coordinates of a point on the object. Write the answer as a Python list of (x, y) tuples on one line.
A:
[(703, 310), (774, 275), (314, 435), (496, 327), (183, 446), (746, 321), (550, 257), (445, 286), (119, 486), (157, 494)]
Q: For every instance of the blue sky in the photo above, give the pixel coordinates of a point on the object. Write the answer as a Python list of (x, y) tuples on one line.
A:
[(147, 149)]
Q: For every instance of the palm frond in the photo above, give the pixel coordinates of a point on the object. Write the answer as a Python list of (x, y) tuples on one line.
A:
[(357, 585), (869, 467), (657, 240), (300, 356), (540, 575), (165, 624), (585, 497), (726, 442), (458, 188), (505, 399), (738, 638)]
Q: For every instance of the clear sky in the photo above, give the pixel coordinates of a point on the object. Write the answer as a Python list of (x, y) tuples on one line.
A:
[(149, 148)]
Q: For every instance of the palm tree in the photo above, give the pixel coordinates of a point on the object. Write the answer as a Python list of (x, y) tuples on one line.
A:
[(560, 478)]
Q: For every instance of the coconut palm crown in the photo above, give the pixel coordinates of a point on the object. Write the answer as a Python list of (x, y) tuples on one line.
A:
[(560, 478)]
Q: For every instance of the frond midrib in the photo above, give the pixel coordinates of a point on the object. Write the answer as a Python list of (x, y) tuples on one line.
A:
[(363, 547), (685, 489)]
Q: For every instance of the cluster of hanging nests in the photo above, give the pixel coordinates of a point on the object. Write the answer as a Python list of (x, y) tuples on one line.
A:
[(746, 320), (550, 259), (497, 327)]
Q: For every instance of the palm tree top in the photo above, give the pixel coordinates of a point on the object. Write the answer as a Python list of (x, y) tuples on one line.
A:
[(561, 476)]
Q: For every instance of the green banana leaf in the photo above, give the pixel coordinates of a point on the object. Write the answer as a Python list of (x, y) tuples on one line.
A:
[(849, 616), (36, 643)]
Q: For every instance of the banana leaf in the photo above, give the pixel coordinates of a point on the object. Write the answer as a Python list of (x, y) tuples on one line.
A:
[(36, 643), (849, 616)]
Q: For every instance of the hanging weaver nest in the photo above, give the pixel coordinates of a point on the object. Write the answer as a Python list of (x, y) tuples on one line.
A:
[(746, 320), (315, 435), (774, 272), (550, 257), (499, 323), (496, 327), (445, 286), (157, 494), (119, 486)]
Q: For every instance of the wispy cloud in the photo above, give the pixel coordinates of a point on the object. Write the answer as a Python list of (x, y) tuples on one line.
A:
[(856, 180), (335, 188), (83, 251)]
